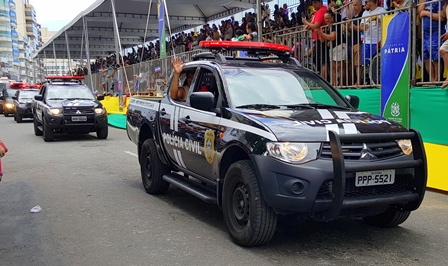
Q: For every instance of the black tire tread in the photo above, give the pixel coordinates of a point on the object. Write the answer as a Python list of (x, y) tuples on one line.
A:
[(265, 223), (157, 184), (37, 131)]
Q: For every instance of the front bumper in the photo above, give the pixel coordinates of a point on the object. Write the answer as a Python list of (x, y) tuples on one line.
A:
[(326, 188), (24, 112), (66, 124)]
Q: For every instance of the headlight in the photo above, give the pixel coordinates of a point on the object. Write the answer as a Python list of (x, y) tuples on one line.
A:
[(296, 153), (9, 105), (405, 146), (54, 111), (99, 111), (22, 105)]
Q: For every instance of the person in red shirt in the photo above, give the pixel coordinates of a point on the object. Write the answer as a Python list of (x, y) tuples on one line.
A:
[(319, 50)]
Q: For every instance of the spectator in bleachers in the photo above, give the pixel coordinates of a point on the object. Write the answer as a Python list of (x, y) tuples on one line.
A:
[(371, 26), (336, 36), (252, 34), (355, 33), (319, 49), (266, 16), (228, 33), (432, 30)]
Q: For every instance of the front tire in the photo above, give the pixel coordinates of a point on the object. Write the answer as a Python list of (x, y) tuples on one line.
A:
[(102, 132), (152, 169), (18, 118), (37, 131), (250, 221), (392, 217), (47, 132)]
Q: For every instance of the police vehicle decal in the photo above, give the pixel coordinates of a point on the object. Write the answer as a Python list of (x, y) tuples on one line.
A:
[(207, 118), (209, 145), (178, 157)]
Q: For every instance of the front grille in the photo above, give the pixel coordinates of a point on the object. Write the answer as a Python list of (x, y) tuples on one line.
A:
[(78, 111), (403, 183), (354, 150)]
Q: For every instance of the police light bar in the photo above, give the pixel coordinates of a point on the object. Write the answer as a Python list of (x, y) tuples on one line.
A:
[(247, 46), (65, 77), (20, 85)]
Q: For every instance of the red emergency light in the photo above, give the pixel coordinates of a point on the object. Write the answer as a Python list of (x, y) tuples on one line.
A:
[(65, 77), (238, 45)]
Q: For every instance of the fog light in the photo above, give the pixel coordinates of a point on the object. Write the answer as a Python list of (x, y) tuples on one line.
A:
[(297, 188)]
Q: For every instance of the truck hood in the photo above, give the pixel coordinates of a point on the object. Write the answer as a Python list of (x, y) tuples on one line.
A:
[(74, 104), (314, 124)]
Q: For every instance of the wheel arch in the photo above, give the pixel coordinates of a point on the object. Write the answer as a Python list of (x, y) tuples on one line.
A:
[(146, 132), (231, 155)]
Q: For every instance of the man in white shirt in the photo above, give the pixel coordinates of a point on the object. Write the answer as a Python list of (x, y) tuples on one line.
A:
[(371, 26)]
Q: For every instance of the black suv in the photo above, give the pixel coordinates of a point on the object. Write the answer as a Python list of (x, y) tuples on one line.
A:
[(23, 103), (66, 105)]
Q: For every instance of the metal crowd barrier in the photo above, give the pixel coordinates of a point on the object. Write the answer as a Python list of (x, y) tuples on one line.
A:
[(340, 66)]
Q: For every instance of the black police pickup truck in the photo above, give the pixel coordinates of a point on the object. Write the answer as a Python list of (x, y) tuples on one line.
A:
[(270, 138), (23, 104), (66, 105)]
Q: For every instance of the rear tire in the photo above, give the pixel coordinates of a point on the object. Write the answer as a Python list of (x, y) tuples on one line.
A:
[(152, 169), (47, 132), (37, 131), (390, 218), (250, 221), (102, 132)]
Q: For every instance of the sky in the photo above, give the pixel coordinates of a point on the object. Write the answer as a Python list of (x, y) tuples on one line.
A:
[(55, 14)]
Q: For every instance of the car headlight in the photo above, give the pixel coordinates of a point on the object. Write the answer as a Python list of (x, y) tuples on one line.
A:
[(405, 146), (9, 105), (100, 111), (291, 152), (22, 105), (54, 111)]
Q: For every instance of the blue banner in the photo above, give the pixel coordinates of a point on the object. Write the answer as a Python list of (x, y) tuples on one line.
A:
[(395, 68)]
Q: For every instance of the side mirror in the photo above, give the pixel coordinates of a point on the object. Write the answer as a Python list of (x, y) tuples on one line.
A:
[(100, 97), (353, 100), (38, 97), (202, 100), (14, 98)]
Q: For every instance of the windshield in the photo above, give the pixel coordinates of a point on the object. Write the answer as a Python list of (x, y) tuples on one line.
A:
[(10, 92), (280, 87), (56, 92), (27, 95)]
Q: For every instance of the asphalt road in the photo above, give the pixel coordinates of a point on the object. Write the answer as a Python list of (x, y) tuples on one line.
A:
[(95, 212)]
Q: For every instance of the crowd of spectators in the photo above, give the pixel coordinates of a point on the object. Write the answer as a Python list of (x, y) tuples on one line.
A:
[(309, 15)]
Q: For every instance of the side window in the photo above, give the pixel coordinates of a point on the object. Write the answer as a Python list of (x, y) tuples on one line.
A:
[(206, 82), (42, 91), (185, 84)]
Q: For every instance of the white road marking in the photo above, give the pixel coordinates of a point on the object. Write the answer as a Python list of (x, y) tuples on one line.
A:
[(131, 153)]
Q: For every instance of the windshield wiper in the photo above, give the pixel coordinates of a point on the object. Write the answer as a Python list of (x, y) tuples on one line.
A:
[(55, 99), (317, 105), (259, 106)]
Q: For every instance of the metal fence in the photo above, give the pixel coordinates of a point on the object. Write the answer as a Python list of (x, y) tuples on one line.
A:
[(340, 61)]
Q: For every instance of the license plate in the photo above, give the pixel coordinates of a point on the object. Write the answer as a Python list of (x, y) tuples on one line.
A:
[(79, 118), (374, 178)]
